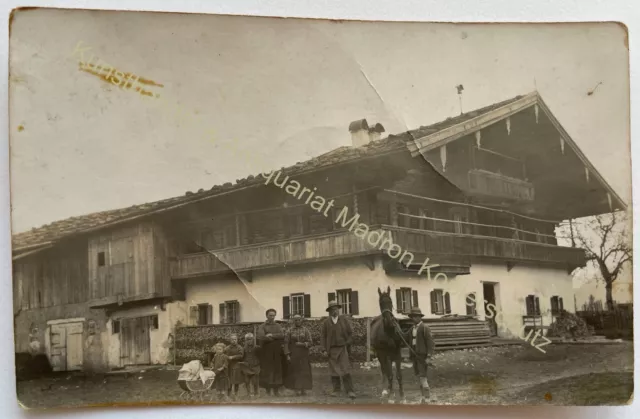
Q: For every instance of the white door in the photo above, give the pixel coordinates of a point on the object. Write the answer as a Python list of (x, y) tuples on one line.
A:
[(66, 346)]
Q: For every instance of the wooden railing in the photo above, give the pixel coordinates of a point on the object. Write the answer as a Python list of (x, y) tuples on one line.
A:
[(469, 247), (329, 246)]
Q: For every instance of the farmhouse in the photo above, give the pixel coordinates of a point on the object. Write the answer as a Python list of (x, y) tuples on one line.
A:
[(479, 195)]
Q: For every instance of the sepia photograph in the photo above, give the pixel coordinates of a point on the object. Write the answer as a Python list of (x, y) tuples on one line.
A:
[(218, 209)]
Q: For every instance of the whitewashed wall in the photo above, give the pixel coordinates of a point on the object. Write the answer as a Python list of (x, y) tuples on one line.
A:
[(268, 287)]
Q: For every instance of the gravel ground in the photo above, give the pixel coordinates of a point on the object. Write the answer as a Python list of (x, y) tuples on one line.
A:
[(494, 375)]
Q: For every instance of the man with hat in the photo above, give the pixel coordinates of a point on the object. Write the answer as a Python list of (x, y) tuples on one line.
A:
[(422, 347), (336, 337)]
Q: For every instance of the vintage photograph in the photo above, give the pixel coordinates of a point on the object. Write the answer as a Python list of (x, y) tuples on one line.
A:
[(249, 210)]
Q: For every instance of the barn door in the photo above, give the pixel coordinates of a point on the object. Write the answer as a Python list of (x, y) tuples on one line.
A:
[(134, 341), (58, 347), (74, 346)]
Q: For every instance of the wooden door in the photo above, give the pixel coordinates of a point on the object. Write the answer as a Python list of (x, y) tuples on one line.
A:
[(74, 346), (58, 349), (134, 341)]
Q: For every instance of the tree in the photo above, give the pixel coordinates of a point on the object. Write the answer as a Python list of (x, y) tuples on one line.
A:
[(605, 239)]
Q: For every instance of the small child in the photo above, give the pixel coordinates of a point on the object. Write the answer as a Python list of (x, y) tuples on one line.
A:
[(219, 365), (251, 365)]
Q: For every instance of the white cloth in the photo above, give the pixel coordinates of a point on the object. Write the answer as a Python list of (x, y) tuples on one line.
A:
[(334, 319), (414, 334), (193, 370)]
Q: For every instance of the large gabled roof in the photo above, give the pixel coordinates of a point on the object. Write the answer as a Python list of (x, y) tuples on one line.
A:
[(48, 234)]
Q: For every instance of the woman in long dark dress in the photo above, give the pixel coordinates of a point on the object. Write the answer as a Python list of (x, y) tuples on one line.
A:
[(271, 337), (297, 341)]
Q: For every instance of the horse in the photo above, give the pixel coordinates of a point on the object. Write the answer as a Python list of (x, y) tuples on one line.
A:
[(387, 342)]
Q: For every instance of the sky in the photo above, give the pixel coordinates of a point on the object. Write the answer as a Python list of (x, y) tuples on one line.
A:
[(256, 94)]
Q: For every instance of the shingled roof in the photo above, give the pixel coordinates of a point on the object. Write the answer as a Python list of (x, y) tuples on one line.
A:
[(49, 233)]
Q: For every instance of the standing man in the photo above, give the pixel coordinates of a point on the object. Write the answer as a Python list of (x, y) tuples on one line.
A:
[(336, 337), (422, 347)]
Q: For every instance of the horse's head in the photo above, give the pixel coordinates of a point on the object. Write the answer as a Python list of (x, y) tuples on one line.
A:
[(385, 301)]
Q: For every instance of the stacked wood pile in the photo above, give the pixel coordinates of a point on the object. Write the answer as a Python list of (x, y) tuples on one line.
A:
[(457, 332)]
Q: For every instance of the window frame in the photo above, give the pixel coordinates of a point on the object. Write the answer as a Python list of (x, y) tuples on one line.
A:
[(348, 305), (292, 297)]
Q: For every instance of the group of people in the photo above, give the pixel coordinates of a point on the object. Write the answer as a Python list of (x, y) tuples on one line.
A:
[(281, 357)]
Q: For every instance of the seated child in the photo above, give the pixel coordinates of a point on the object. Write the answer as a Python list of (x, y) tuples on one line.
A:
[(219, 365)]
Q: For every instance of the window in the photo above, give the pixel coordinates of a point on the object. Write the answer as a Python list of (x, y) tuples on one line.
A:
[(405, 299), (556, 305), (347, 298), (533, 305), (101, 259), (440, 302), (229, 312), (204, 314), (153, 322), (298, 303), (115, 327), (471, 309)]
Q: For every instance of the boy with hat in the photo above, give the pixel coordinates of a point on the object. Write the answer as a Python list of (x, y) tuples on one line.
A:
[(422, 347), (336, 337)]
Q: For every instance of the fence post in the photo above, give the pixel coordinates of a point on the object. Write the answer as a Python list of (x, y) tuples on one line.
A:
[(368, 339)]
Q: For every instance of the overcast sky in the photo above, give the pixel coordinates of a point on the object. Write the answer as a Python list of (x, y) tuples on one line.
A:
[(284, 90)]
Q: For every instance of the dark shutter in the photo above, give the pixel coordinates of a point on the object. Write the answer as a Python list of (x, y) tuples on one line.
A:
[(331, 296), (209, 314), (354, 302), (530, 306), (223, 319), (554, 305), (560, 304), (447, 303), (414, 299), (434, 301), (285, 307), (399, 300), (236, 318), (307, 305), (537, 302)]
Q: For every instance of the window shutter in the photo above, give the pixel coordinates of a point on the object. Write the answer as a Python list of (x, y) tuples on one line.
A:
[(399, 301), (537, 302), (237, 312), (434, 301), (529, 304), (447, 303), (285, 307), (560, 304), (209, 314), (354, 302), (414, 298), (223, 319), (307, 305), (331, 296), (193, 315)]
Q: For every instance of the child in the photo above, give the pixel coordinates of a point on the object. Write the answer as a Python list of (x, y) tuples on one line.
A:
[(219, 365), (251, 365), (235, 354)]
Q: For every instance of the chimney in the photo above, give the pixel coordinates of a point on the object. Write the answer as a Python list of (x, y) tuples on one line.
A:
[(375, 132), (362, 134)]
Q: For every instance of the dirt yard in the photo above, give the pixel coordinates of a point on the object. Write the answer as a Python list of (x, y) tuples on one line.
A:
[(594, 374)]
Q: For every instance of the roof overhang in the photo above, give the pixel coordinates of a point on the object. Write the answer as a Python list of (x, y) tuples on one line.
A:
[(422, 145)]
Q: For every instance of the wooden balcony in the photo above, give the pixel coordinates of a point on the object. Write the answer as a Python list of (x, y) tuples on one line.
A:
[(329, 246), (467, 248)]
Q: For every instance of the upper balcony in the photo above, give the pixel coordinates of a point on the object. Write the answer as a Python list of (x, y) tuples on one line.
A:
[(457, 232)]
